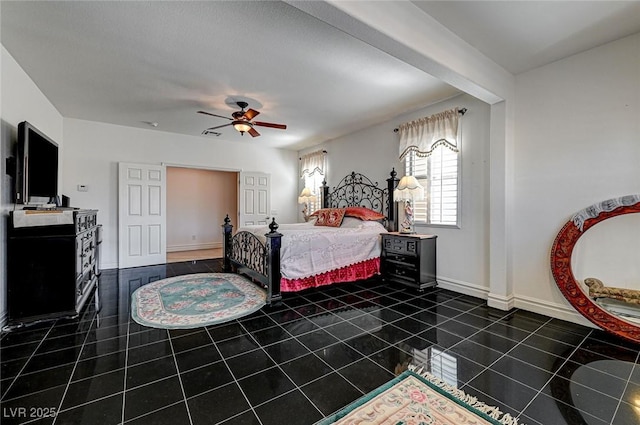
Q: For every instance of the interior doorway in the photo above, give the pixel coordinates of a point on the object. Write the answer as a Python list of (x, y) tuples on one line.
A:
[(198, 199)]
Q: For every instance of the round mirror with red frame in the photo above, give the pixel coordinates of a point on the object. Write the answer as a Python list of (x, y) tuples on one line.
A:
[(561, 255)]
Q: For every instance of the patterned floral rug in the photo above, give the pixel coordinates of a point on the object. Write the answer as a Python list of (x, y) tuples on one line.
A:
[(195, 300), (418, 398)]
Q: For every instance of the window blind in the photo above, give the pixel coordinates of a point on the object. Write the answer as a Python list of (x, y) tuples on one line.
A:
[(438, 174)]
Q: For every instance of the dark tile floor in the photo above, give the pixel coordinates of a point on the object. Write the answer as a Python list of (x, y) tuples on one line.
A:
[(313, 355)]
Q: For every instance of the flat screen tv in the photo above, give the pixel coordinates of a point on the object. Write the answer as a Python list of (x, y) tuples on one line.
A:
[(36, 178)]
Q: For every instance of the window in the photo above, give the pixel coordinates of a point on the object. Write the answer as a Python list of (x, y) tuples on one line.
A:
[(313, 172), (314, 182), (429, 147), (438, 174)]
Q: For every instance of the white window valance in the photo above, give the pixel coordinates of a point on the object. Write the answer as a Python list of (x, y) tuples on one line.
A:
[(425, 134), (312, 163)]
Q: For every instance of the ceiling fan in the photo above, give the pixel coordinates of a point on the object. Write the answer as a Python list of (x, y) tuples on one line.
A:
[(242, 121)]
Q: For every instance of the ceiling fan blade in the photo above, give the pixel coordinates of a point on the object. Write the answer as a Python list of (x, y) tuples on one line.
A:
[(253, 132), (250, 114), (214, 115), (270, 124), (219, 126)]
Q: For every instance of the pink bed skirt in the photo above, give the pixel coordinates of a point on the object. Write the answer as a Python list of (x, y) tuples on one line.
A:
[(363, 270)]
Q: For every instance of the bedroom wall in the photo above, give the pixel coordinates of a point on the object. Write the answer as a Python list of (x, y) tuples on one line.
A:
[(462, 260), (577, 132), (577, 143), (197, 202), (21, 101), (94, 149)]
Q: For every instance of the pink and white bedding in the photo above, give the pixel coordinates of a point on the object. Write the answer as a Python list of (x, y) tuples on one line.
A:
[(316, 255)]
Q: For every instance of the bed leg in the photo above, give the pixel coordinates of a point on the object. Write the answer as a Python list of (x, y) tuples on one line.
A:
[(227, 228), (274, 240)]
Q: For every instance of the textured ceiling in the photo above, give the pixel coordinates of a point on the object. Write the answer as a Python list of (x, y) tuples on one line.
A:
[(522, 35), (129, 63), (132, 63)]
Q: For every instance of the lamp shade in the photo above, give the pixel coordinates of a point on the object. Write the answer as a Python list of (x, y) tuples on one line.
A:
[(409, 189), (306, 196), (242, 126)]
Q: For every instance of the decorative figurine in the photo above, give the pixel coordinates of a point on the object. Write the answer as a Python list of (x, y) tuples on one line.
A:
[(407, 224)]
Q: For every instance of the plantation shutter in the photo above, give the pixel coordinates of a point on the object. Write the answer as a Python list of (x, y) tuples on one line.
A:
[(443, 186), (418, 167)]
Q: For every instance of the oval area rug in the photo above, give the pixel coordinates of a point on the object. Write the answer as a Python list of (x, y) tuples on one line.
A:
[(195, 300)]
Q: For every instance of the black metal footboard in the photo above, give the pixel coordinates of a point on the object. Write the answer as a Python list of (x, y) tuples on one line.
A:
[(245, 254)]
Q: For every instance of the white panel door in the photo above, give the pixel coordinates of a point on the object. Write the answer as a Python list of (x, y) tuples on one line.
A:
[(142, 219), (255, 198)]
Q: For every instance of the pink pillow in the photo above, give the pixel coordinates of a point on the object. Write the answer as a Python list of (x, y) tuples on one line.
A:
[(363, 213), (330, 217)]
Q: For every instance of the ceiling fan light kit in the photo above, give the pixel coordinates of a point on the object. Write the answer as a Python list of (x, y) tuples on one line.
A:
[(242, 121), (242, 126)]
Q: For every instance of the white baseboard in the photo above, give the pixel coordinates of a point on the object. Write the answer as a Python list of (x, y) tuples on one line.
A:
[(559, 311), (463, 287), (556, 310), (194, 246), (501, 302)]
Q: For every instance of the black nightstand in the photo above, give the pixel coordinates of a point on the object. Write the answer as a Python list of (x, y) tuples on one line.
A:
[(409, 259)]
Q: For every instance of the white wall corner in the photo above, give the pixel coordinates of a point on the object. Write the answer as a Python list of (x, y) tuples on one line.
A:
[(501, 292), (501, 302), (462, 287)]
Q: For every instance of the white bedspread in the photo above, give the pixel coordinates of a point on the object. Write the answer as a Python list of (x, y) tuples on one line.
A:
[(308, 250)]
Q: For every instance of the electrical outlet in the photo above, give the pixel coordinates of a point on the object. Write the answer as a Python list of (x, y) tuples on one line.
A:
[(83, 188), (274, 212)]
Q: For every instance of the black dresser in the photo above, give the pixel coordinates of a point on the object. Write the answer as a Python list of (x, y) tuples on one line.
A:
[(409, 259), (52, 264)]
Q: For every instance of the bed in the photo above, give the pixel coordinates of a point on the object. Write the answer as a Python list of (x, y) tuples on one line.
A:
[(299, 256)]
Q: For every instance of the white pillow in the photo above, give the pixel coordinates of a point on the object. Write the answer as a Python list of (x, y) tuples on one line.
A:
[(356, 223)]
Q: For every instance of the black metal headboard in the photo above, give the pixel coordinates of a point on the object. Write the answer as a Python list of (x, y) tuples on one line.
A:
[(357, 190)]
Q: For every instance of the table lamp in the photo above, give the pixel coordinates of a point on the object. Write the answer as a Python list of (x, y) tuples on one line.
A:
[(305, 197), (408, 191)]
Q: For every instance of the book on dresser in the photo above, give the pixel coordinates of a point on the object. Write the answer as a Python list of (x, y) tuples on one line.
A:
[(52, 263)]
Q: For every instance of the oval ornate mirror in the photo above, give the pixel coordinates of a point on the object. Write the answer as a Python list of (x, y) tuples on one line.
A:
[(598, 302)]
